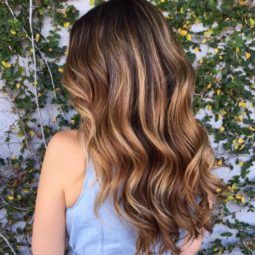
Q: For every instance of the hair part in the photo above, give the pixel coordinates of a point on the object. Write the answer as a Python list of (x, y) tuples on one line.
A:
[(133, 85)]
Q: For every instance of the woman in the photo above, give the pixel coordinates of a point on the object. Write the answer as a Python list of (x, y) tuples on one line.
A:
[(135, 178)]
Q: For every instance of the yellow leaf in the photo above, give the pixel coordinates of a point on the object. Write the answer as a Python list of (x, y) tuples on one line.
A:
[(13, 32), (208, 33), (240, 163), (240, 118), (220, 116), (242, 2), (209, 85), (247, 55), (6, 64), (242, 104), (18, 85), (185, 26), (230, 188), (240, 140), (222, 128), (20, 134), (209, 107), (196, 49), (66, 24), (252, 21), (183, 32), (238, 196), (234, 186), (61, 70), (222, 111), (219, 162), (92, 2), (37, 37), (230, 197), (189, 37), (10, 197)]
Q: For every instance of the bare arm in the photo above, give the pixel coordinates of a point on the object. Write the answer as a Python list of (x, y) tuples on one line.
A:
[(48, 237)]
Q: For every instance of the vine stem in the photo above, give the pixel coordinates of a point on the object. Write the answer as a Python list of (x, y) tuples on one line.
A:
[(43, 57), (8, 243), (6, 2), (51, 78), (35, 73)]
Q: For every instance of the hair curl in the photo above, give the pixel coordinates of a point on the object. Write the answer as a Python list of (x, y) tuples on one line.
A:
[(132, 84)]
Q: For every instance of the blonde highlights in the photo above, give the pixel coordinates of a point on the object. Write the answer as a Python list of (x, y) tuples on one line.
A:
[(132, 84)]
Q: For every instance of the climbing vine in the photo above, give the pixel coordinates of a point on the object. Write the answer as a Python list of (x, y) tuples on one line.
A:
[(218, 38)]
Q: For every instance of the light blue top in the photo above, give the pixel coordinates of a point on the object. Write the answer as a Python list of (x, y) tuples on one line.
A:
[(89, 235)]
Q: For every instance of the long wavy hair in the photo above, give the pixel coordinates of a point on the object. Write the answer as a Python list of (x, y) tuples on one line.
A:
[(132, 85)]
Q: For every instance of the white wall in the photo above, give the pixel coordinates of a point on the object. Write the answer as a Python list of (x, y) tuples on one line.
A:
[(8, 118)]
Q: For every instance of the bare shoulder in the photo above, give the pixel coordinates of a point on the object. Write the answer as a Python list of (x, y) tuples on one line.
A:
[(63, 149), (63, 139), (65, 153)]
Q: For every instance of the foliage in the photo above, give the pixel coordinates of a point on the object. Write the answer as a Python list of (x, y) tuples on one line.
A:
[(31, 71)]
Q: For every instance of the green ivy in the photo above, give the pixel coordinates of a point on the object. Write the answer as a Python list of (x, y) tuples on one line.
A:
[(224, 91)]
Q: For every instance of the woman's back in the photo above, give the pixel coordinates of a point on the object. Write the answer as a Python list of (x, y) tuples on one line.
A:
[(132, 85), (87, 234)]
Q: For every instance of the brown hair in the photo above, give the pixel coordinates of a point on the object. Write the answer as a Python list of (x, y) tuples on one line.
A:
[(133, 85)]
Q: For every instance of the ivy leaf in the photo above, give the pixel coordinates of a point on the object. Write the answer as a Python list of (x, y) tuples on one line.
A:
[(251, 21), (212, 4), (2, 162), (227, 234), (245, 169)]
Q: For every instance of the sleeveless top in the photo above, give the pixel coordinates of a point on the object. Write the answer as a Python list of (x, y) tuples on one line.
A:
[(107, 235)]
